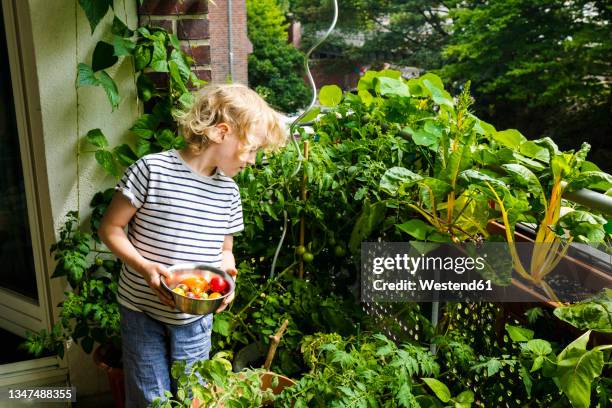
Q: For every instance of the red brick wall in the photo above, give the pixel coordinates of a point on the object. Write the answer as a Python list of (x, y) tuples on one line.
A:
[(202, 29), (219, 40)]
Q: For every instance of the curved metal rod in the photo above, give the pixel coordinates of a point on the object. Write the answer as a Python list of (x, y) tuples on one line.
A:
[(297, 120), (312, 85)]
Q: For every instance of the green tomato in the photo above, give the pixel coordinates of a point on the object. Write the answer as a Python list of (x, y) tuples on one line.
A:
[(339, 251), (300, 250), (308, 257), (99, 261), (332, 240)]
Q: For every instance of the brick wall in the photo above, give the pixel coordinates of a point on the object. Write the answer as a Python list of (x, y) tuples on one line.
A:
[(219, 40), (201, 26)]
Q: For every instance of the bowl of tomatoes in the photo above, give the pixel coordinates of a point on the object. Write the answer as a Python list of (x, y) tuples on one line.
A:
[(198, 288)]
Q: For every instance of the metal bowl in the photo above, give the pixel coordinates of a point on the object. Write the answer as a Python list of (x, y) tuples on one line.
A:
[(190, 305)]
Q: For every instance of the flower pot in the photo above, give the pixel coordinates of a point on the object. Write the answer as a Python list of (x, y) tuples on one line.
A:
[(107, 358), (584, 272)]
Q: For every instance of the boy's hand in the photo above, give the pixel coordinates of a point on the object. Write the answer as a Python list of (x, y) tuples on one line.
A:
[(152, 273), (233, 273)]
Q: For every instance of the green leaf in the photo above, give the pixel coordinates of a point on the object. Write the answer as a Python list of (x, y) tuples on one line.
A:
[(97, 138), (585, 226), (145, 125), (370, 217), (519, 334), (311, 115), (391, 86), (591, 314), (159, 59), (511, 138), (124, 155), (396, 177), (330, 95), (365, 96), (103, 56), (439, 188), (576, 370), (421, 137), (176, 76), (146, 88), (417, 228), (525, 178), (95, 10), (534, 151), (438, 94), (122, 46), (466, 397), (538, 347), (142, 57), (181, 64), (119, 28), (110, 88), (86, 76), (106, 160), (439, 388), (166, 138), (591, 179)]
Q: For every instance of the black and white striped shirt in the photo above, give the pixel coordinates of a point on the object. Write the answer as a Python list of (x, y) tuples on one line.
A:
[(182, 216)]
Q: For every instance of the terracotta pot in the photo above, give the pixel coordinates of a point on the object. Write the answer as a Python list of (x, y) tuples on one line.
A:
[(103, 356)]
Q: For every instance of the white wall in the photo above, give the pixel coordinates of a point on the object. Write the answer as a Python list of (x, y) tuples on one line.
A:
[(62, 39)]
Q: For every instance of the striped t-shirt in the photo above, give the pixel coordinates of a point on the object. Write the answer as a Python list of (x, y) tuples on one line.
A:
[(182, 216)]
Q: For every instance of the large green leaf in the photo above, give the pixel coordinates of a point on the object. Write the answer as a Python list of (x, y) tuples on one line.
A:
[(511, 138), (142, 57), (95, 10), (591, 314), (103, 56), (145, 125), (421, 137), (86, 76), (439, 188), (418, 228), (330, 95), (107, 161), (370, 217), (519, 334), (459, 160), (123, 46), (438, 94), (439, 388), (534, 151), (391, 86), (525, 178), (591, 179), (97, 138), (585, 226), (119, 28), (159, 60), (576, 370), (396, 177), (125, 155), (110, 88)]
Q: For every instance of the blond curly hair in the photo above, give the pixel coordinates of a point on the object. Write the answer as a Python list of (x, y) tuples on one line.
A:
[(238, 106)]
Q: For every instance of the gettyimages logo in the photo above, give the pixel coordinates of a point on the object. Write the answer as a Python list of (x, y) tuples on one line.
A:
[(418, 271)]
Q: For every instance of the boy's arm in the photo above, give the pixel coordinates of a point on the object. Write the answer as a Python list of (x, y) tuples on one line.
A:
[(111, 232), (228, 264)]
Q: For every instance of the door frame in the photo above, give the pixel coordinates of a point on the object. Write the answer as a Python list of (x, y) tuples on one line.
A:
[(19, 314)]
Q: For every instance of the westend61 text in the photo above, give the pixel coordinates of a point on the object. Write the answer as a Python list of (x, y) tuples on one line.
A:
[(404, 284)]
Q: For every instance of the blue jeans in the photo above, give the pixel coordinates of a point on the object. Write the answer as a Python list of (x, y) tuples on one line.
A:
[(150, 347)]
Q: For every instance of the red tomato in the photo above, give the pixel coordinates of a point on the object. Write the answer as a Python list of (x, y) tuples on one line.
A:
[(218, 284)]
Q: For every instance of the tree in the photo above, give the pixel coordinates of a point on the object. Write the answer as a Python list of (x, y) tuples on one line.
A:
[(543, 66), (275, 66)]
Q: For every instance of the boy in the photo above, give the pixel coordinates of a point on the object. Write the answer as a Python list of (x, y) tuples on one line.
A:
[(181, 206)]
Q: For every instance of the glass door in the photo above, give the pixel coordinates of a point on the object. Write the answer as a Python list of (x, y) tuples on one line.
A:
[(23, 305)]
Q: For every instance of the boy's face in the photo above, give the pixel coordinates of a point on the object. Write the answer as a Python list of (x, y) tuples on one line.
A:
[(231, 154)]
